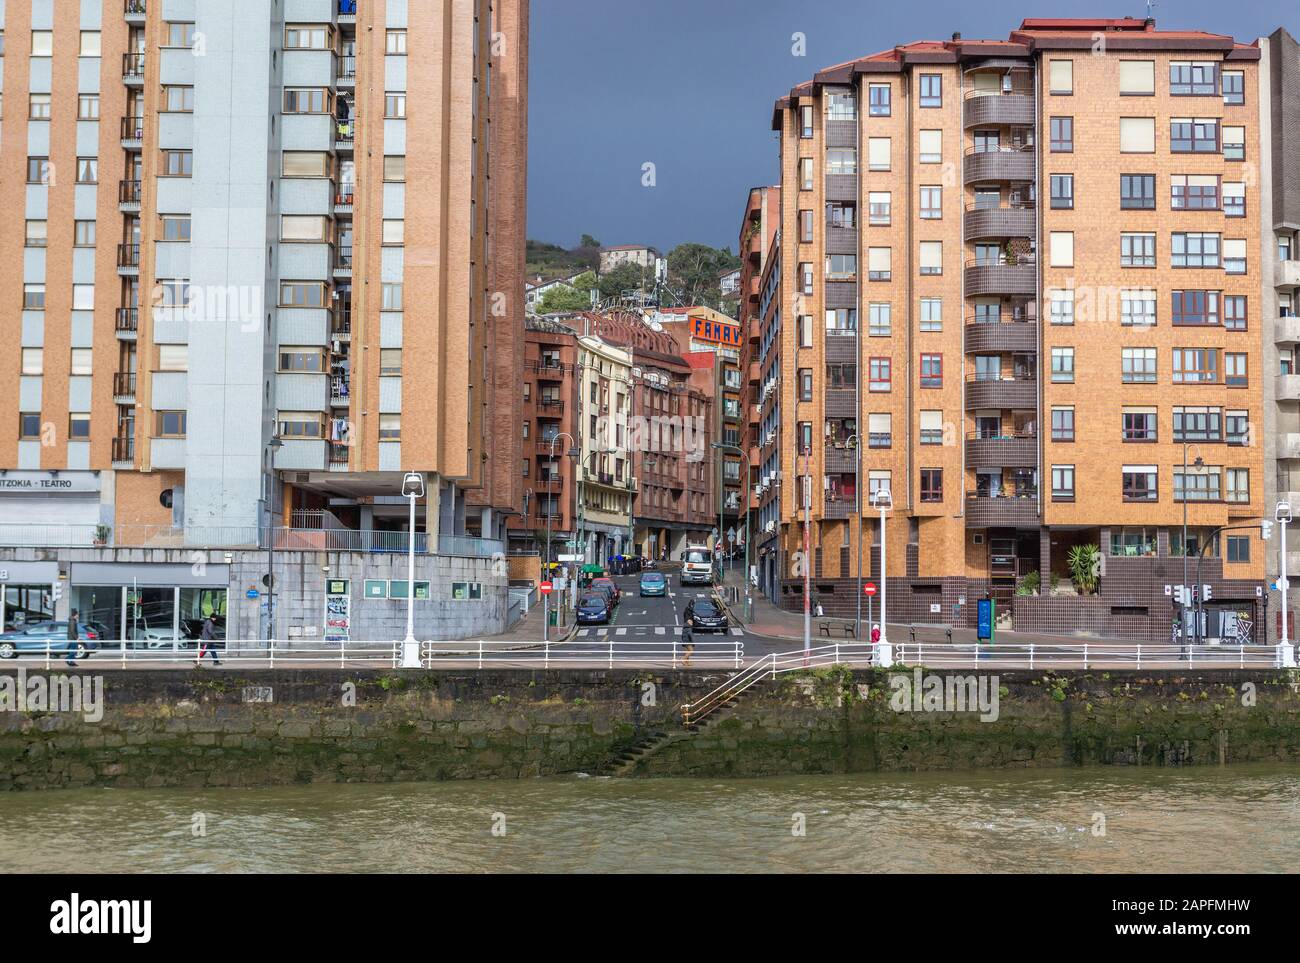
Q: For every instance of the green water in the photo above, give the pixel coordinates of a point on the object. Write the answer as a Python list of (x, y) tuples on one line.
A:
[(1242, 818)]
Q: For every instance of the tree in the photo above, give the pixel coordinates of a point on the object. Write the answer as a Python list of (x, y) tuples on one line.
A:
[(625, 277), (563, 298), (693, 271), (588, 241)]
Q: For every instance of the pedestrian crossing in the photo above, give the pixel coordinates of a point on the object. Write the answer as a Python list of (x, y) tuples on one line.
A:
[(641, 631)]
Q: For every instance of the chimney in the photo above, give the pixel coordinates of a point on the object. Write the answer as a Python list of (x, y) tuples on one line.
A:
[(956, 35), (1149, 23)]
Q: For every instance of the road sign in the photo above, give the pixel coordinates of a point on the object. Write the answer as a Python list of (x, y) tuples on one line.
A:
[(544, 588), (869, 588), (570, 558), (984, 620)]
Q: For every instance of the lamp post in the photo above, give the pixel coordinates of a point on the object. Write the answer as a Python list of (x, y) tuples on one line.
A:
[(855, 443), (550, 507), (884, 652), (733, 448), (1187, 592), (274, 445), (1286, 651), (412, 488)]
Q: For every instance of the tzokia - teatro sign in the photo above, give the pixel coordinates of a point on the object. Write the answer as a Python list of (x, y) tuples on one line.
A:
[(715, 332), (47, 482)]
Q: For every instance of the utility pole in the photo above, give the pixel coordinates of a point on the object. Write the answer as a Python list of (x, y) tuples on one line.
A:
[(806, 495)]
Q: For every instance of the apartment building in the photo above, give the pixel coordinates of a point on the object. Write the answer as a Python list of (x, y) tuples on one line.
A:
[(641, 255), (1030, 268), (767, 531), (234, 317)]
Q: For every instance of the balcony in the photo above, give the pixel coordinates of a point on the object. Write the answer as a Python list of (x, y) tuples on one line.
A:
[(1287, 388), (1014, 108), (343, 199), (1007, 336), (127, 321), (128, 195), (347, 76), (838, 505), (123, 452), (128, 259), (133, 68), (124, 387), (345, 132), (842, 187), (347, 11), (132, 132), (134, 11), (337, 457), (340, 392), (841, 403), (999, 164), (343, 260), (1008, 511), (998, 277), (995, 222), (841, 240), (1006, 394), (1288, 445), (1286, 330), (550, 407), (755, 372), (1286, 274), (839, 459), (341, 328), (1001, 451)]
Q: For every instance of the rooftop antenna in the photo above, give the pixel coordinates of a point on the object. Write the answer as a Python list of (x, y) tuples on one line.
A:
[(1151, 5)]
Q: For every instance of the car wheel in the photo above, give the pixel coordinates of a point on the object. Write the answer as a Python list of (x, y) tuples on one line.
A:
[(7, 650), (81, 651)]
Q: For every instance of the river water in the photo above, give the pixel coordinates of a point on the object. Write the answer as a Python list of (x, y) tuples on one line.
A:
[(1198, 820)]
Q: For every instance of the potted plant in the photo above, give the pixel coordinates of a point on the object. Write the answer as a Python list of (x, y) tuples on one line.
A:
[(1085, 567), (102, 532)]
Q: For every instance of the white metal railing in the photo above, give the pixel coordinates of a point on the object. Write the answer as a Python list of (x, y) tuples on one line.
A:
[(670, 654)]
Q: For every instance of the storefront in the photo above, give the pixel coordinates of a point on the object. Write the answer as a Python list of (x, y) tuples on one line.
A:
[(151, 605), (51, 508), (27, 592)]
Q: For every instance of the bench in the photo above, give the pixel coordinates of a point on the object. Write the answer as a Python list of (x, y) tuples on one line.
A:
[(846, 627), (944, 627)]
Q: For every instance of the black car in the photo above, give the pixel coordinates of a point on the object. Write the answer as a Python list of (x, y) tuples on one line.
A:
[(705, 615), (593, 609)]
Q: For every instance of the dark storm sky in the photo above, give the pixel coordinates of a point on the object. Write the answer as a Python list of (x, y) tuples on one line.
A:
[(688, 86)]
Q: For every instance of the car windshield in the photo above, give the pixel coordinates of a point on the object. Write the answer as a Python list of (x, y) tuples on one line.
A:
[(697, 556), (652, 577), (706, 609), (592, 602)]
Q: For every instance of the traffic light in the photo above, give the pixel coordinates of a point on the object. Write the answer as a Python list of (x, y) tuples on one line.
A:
[(1266, 529), (1205, 593), (56, 591)]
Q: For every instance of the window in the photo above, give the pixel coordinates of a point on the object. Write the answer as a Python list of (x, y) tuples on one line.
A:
[(1062, 483), (1197, 424), (806, 277), (177, 163), (394, 231), (931, 484), (180, 35), (1062, 135), (878, 319), (805, 331), (304, 163), (805, 384), (1138, 365), (173, 292), (394, 105), (83, 297), (841, 214), (840, 375), (1238, 545), (931, 90), (838, 321), (83, 233), (879, 100), (306, 100), (1133, 542), (1063, 365), (878, 264), (1137, 78), (390, 296), (879, 430), (169, 424), (1234, 312), (879, 374), (931, 257), (1234, 143), (1194, 192), (390, 427), (805, 173), (390, 361), (1234, 199), (78, 426), (38, 107), (1137, 307), (300, 424), (1138, 424), (37, 233), (173, 357), (395, 168), (33, 297), (38, 170), (1137, 192), (306, 37), (1137, 250), (931, 203), (395, 42), (843, 105), (1234, 87), (932, 427), (1196, 365), (1061, 305), (1234, 369), (1063, 424), (1194, 135), (1139, 483), (1194, 250), (806, 227), (805, 122), (1137, 135), (805, 436), (1062, 186), (878, 153), (878, 206), (877, 481), (1193, 78), (87, 170), (302, 294), (1061, 249), (88, 107), (931, 314), (1196, 484), (302, 360), (931, 371), (33, 361), (1195, 307), (1238, 485), (178, 99), (1234, 256), (930, 149), (29, 424), (42, 43), (304, 227)]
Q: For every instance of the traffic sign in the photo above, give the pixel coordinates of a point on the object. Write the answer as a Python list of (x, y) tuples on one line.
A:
[(544, 588), (570, 558), (869, 588)]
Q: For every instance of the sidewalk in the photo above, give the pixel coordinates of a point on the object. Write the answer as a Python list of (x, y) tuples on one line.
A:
[(529, 628)]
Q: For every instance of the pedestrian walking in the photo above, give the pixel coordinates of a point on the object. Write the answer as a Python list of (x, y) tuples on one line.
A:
[(820, 611), (206, 639), (74, 637), (875, 633)]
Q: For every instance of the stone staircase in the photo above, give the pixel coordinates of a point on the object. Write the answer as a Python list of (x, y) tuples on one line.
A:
[(631, 758)]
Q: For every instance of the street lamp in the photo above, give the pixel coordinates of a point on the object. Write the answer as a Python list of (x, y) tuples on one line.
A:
[(550, 510), (883, 500), (724, 447), (1286, 651), (1186, 593), (412, 488), (854, 442), (274, 445)]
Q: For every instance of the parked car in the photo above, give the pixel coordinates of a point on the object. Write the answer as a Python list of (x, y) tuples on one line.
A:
[(48, 636), (609, 593), (607, 581), (705, 615), (653, 583), (594, 609)]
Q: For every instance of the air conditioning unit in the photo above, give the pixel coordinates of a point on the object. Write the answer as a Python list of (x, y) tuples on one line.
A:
[(770, 526)]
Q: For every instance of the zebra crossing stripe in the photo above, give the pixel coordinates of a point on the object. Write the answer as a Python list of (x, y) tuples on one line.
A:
[(620, 631), (677, 630), (659, 630), (584, 632)]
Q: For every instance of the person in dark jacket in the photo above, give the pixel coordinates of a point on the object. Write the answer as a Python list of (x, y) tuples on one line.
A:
[(206, 639), (74, 637)]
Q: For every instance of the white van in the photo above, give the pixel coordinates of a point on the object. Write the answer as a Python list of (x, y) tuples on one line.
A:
[(697, 565)]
